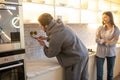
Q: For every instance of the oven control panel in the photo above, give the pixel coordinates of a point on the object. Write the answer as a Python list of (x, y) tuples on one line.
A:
[(11, 58)]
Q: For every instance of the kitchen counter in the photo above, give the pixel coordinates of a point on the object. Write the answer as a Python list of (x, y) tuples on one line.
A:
[(44, 69), (49, 69)]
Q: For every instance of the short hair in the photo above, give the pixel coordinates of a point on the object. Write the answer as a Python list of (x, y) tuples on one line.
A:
[(108, 13), (45, 19)]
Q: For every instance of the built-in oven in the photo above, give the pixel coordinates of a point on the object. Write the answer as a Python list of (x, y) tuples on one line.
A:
[(12, 68), (12, 47), (11, 1), (11, 25)]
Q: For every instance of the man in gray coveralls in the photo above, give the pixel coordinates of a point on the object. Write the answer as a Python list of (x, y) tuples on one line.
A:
[(71, 53)]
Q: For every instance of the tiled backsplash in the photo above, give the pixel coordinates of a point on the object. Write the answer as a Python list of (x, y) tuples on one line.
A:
[(35, 51), (85, 33)]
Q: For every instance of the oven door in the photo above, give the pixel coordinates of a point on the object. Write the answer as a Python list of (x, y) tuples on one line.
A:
[(12, 71), (11, 27)]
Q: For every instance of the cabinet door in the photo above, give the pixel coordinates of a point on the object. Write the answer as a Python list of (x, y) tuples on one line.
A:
[(89, 11), (115, 8), (117, 63), (104, 5), (88, 16), (68, 10), (32, 10)]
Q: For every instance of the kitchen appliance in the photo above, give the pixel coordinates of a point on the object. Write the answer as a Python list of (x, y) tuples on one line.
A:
[(12, 68), (12, 47), (11, 26), (11, 1)]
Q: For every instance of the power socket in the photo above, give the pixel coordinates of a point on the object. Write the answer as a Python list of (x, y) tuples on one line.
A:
[(33, 33)]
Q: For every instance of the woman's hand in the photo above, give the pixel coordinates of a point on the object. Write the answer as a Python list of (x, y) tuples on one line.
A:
[(112, 40)]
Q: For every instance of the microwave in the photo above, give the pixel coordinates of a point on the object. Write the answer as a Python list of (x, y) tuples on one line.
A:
[(11, 27)]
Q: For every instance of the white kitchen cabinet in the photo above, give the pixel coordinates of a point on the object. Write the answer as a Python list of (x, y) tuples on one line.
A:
[(31, 11), (51, 75), (92, 67), (117, 63), (67, 10), (45, 69), (78, 11)]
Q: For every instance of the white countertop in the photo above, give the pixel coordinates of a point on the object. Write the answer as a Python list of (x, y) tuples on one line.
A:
[(38, 67)]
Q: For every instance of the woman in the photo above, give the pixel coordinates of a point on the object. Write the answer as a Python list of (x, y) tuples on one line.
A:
[(66, 46), (106, 38)]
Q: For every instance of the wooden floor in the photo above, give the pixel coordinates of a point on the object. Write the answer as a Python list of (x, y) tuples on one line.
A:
[(117, 78)]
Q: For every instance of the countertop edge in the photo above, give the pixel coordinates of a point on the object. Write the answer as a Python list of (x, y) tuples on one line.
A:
[(41, 72)]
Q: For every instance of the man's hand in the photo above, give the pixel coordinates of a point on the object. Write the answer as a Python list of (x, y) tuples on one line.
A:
[(41, 40)]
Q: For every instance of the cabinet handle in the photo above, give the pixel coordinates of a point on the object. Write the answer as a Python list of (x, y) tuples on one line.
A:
[(11, 66)]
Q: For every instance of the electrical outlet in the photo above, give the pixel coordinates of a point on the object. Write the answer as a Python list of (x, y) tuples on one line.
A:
[(33, 33)]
